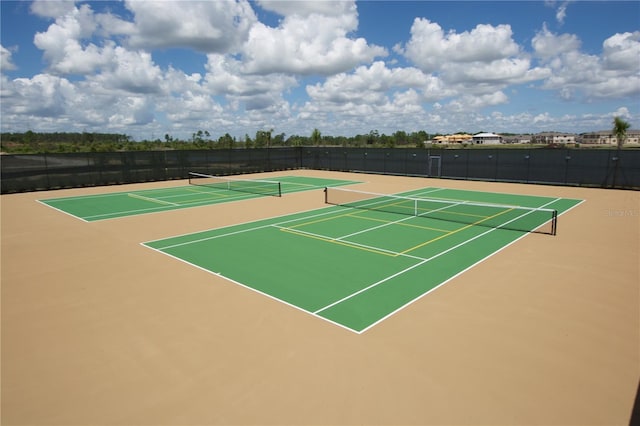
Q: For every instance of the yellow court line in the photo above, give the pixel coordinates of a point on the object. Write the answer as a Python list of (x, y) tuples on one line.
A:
[(153, 200), (390, 254), (216, 193), (454, 232), (350, 213), (452, 213), (397, 203), (342, 243), (320, 220), (401, 223), (198, 200)]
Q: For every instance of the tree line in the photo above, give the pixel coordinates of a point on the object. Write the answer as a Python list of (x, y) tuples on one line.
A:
[(64, 142)]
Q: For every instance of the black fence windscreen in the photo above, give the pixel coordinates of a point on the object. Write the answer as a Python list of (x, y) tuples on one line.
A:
[(579, 167)]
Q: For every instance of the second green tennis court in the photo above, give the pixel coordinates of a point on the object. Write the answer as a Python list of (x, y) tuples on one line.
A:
[(203, 190)]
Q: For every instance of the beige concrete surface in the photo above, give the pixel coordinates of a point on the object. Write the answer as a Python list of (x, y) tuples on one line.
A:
[(97, 329)]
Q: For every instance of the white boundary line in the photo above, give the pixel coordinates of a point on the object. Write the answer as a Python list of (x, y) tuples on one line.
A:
[(438, 200), (424, 261), (542, 197), (129, 213), (315, 313), (458, 274), (243, 230), (250, 288), (349, 243), (62, 211)]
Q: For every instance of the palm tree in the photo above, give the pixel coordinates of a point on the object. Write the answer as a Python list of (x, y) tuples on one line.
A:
[(620, 128)]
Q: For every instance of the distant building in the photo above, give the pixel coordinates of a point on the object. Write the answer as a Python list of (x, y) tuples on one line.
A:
[(553, 138), (457, 138), (516, 139), (606, 137), (487, 139)]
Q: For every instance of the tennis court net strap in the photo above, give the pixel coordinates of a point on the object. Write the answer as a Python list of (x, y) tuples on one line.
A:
[(253, 186), (524, 219)]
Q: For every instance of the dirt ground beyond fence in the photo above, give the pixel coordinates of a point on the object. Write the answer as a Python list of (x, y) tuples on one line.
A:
[(97, 329)]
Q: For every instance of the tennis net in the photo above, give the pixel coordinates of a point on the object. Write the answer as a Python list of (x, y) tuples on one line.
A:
[(518, 218), (253, 186)]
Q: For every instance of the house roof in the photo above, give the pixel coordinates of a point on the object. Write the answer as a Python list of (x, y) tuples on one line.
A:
[(486, 135), (610, 132)]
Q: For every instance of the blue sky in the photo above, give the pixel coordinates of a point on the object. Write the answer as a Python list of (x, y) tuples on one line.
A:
[(151, 68)]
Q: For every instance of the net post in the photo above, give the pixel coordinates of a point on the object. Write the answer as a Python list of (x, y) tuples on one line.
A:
[(279, 189), (326, 195), (554, 222)]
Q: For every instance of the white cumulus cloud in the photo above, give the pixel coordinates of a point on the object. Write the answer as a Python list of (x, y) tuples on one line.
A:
[(614, 74), (307, 44), (52, 8), (206, 26), (306, 8), (622, 52), (298, 65), (429, 47), (224, 77), (367, 84), (62, 44), (42, 95), (6, 63), (547, 45), (129, 71)]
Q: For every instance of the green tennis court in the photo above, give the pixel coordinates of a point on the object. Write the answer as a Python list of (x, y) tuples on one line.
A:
[(364, 258), (203, 190)]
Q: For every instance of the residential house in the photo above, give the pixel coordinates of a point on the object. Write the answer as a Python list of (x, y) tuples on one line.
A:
[(487, 139), (553, 138), (457, 138), (606, 137)]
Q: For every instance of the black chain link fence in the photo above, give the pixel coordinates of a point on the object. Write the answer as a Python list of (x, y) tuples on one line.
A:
[(579, 167)]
